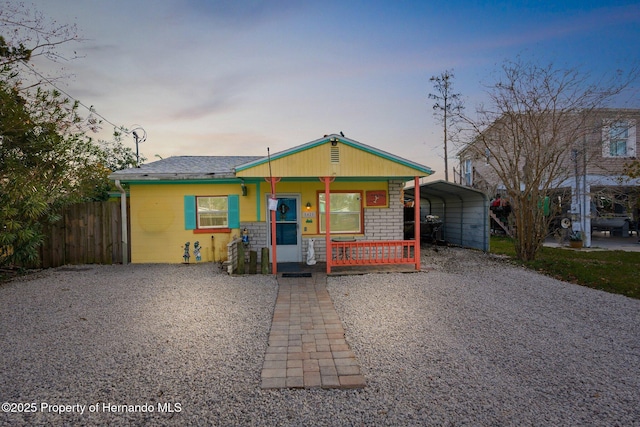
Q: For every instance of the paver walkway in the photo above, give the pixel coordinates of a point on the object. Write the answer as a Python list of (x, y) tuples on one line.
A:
[(307, 346)]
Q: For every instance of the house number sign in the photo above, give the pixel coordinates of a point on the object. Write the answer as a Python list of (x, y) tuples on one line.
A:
[(376, 198)]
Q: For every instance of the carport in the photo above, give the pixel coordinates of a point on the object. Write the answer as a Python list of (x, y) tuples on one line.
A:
[(463, 210)]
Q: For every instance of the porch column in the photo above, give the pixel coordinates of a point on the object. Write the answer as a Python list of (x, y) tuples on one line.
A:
[(327, 222), (416, 218), (274, 257)]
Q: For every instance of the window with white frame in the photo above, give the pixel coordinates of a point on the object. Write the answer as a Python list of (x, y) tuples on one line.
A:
[(346, 212), (468, 176), (212, 212), (619, 139)]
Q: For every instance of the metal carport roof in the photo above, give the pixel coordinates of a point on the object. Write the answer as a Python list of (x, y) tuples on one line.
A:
[(463, 210)]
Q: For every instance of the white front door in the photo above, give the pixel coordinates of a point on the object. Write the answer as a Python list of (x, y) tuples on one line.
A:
[(288, 233)]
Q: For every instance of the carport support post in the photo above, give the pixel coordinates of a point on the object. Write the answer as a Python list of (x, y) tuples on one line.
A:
[(416, 219)]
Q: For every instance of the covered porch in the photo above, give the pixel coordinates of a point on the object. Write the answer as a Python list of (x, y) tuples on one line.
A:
[(341, 252), (347, 199)]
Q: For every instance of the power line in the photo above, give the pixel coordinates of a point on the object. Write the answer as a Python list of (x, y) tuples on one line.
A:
[(90, 109)]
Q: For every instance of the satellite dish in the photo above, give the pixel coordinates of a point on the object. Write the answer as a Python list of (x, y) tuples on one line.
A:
[(565, 223)]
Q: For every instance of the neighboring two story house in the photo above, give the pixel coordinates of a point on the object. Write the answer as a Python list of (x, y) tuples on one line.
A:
[(601, 196)]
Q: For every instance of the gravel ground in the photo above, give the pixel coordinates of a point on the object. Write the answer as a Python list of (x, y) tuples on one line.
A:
[(470, 341)]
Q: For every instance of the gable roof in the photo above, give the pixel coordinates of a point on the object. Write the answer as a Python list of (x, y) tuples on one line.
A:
[(184, 168), (317, 158), (307, 160)]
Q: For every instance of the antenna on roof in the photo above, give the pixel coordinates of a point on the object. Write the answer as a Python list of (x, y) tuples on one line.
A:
[(139, 140), (269, 157), (273, 205)]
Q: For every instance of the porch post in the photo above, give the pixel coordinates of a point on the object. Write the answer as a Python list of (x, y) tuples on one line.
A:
[(274, 260), (416, 218), (327, 222), (274, 257)]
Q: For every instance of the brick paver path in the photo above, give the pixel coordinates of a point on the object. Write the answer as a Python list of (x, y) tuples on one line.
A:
[(307, 347)]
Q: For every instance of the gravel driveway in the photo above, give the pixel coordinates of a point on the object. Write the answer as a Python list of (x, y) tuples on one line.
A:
[(471, 341)]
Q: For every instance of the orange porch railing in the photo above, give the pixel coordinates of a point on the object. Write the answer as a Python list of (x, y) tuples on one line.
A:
[(373, 252)]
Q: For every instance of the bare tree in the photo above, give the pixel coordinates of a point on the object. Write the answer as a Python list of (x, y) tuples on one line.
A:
[(47, 159), (535, 119), (26, 34), (447, 107)]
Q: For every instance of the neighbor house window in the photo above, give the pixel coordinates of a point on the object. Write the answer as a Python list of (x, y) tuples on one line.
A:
[(213, 212), (346, 212), (468, 177), (619, 139)]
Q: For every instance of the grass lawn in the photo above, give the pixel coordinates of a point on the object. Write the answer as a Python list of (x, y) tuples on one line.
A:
[(612, 271)]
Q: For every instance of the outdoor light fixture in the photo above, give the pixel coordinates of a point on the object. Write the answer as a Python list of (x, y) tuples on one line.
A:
[(243, 188), (308, 205)]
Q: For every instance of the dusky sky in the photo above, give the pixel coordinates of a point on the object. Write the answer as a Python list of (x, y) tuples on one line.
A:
[(208, 77)]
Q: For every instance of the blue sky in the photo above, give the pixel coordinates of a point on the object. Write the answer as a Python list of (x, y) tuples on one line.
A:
[(207, 77)]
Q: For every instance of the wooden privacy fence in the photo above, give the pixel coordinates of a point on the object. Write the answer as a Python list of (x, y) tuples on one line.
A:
[(88, 233)]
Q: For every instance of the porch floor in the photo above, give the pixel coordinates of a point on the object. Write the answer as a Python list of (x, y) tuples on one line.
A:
[(307, 346), (321, 267)]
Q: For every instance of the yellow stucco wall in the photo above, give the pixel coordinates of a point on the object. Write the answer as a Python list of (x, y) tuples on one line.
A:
[(158, 226), (158, 231), (317, 161)]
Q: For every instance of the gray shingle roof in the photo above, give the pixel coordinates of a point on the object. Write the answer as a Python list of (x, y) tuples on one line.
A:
[(185, 167)]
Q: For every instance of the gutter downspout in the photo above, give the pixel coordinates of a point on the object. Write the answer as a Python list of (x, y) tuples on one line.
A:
[(123, 211)]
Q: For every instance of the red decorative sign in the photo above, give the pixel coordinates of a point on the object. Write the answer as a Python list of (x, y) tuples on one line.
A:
[(377, 198)]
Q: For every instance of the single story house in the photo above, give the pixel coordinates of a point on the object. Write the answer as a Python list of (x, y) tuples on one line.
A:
[(216, 200)]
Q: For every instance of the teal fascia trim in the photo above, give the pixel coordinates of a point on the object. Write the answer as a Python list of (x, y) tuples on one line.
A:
[(258, 181), (186, 181), (348, 179), (286, 179)]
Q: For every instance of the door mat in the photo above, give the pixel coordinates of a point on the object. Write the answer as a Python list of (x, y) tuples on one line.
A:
[(296, 274)]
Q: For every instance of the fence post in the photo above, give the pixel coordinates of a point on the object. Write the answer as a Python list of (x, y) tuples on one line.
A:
[(264, 261), (253, 261), (240, 258)]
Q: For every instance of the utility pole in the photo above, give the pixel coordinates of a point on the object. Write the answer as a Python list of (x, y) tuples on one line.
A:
[(447, 108)]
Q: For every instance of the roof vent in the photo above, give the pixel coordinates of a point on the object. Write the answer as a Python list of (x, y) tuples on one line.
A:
[(335, 154)]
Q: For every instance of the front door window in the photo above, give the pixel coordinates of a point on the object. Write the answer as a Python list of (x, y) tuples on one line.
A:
[(287, 228), (287, 222)]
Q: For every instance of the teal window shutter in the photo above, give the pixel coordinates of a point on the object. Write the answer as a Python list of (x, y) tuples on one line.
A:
[(190, 212), (233, 202)]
